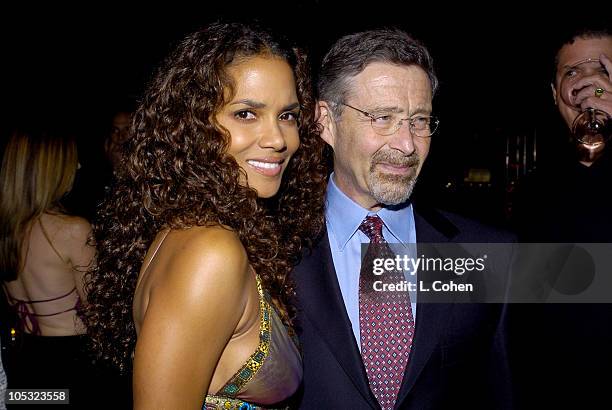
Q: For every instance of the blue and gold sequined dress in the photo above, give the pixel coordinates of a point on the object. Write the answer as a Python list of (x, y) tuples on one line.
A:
[(271, 375)]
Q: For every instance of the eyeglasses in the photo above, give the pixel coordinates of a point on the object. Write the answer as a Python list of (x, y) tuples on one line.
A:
[(388, 123)]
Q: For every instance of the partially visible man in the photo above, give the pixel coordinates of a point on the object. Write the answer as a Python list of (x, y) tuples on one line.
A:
[(372, 350), (560, 353), (568, 186), (118, 132), (583, 72), (101, 161)]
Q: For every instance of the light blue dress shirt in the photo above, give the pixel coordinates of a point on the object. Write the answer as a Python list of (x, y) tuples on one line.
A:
[(343, 217)]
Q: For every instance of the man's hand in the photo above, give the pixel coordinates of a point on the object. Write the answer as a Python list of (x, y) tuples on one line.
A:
[(587, 97)]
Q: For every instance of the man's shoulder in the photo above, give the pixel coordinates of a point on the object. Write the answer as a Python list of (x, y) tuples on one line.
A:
[(459, 228), (314, 254)]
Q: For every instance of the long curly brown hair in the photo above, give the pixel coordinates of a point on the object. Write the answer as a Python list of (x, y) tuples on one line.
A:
[(177, 174)]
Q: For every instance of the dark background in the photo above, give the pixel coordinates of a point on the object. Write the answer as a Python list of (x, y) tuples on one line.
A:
[(494, 63)]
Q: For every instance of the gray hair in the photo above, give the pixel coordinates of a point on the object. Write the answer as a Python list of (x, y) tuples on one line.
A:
[(350, 55)]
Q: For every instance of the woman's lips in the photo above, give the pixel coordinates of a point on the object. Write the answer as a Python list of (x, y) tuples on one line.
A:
[(267, 168)]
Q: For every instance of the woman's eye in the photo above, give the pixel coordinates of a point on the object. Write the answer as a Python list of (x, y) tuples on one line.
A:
[(289, 116), (244, 115)]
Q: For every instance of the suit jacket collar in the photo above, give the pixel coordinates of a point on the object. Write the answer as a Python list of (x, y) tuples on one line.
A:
[(432, 226), (324, 308), (343, 217)]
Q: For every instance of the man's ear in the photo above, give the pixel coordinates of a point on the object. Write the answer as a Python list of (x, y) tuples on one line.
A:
[(326, 122), (554, 93)]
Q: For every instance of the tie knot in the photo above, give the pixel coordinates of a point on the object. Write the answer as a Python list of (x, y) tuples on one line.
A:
[(372, 227)]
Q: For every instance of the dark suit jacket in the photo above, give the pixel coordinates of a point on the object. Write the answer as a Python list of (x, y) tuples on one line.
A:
[(561, 354), (458, 358)]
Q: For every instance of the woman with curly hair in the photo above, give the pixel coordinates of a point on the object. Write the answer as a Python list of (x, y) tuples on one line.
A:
[(221, 188)]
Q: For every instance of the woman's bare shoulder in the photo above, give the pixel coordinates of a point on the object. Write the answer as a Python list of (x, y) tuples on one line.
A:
[(210, 256), (210, 242), (199, 297), (67, 227)]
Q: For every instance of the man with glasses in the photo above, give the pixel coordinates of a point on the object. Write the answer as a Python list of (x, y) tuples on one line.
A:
[(367, 349)]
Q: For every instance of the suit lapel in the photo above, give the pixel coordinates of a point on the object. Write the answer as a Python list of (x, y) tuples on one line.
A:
[(431, 317), (324, 307)]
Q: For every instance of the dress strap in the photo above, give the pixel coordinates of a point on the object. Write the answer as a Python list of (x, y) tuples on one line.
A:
[(46, 235), (254, 363), (28, 320), (156, 249), (225, 403), (40, 300), (144, 267)]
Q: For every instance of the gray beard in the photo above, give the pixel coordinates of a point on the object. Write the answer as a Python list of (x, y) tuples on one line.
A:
[(389, 189)]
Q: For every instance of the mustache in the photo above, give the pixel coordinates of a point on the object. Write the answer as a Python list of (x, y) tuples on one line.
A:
[(396, 158)]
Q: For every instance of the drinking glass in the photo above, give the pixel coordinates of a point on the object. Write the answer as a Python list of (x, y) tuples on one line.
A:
[(592, 128)]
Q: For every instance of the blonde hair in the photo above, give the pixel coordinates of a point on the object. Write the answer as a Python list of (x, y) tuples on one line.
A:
[(38, 169)]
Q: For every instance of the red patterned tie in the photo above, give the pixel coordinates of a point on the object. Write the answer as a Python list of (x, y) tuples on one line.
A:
[(385, 320)]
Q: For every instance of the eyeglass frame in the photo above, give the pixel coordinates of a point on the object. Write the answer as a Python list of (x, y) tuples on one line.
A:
[(373, 117)]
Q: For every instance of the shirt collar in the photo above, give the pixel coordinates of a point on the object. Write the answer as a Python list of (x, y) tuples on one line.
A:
[(344, 216)]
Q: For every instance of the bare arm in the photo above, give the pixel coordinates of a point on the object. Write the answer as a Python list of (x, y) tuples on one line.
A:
[(80, 254), (193, 311)]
